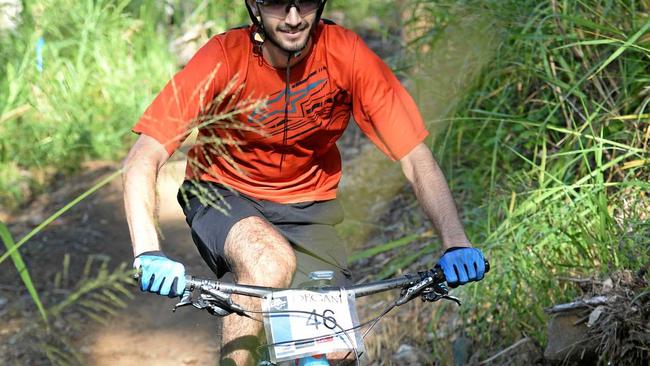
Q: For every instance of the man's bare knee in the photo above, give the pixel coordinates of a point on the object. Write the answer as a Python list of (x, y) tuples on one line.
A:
[(259, 254)]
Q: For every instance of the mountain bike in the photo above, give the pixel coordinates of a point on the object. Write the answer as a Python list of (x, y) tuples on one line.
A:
[(304, 324)]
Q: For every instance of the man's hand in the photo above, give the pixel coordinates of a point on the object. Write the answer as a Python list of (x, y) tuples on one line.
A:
[(159, 274), (462, 265)]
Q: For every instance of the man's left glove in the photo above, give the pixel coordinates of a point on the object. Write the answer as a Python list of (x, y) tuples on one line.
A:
[(159, 274), (462, 265)]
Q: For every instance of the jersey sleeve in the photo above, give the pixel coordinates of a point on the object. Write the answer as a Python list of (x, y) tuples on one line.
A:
[(186, 97), (382, 107)]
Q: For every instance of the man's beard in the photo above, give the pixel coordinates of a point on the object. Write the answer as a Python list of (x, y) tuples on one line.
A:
[(289, 47)]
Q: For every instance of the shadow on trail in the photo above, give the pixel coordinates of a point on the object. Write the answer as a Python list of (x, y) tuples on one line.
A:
[(147, 332)]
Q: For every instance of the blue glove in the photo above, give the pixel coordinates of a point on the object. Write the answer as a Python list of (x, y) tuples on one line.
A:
[(159, 274), (461, 265)]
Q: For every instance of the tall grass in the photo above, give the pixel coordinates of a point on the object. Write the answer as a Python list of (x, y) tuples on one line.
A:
[(550, 154), (103, 61), (83, 102)]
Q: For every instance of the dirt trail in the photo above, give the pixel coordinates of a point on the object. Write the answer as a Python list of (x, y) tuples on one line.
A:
[(147, 332)]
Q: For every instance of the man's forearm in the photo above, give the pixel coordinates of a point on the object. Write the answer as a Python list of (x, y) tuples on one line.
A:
[(435, 197), (139, 180)]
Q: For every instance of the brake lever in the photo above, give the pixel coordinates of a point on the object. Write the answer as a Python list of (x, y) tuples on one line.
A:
[(427, 278), (186, 300), (206, 300), (452, 298)]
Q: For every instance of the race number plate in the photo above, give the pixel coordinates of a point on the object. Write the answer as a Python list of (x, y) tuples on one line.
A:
[(307, 322)]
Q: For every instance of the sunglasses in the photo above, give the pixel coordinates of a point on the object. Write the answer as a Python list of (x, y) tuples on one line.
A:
[(280, 8)]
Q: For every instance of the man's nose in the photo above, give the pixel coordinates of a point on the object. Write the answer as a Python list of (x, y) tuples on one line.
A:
[(293, 18)]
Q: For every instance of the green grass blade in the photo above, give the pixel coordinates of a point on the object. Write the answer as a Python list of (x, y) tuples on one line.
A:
[(624, 47), (60, 212), (388, 246), (404, 261), (21, 268)]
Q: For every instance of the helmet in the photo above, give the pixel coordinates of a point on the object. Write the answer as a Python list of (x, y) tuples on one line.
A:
[(260, 26)]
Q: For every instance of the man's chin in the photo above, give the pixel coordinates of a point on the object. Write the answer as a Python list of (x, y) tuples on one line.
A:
[(291, 45)]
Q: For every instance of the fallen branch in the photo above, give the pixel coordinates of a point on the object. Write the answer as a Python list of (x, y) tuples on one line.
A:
[(594, 301), (580, 280)]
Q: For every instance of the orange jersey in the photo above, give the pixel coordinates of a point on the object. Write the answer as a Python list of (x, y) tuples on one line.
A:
[(258, 152)]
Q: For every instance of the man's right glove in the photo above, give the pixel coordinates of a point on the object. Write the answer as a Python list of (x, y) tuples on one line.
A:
[(159, 274), (461, 265)]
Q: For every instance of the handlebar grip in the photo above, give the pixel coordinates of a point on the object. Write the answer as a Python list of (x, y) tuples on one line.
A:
[(189, 283)]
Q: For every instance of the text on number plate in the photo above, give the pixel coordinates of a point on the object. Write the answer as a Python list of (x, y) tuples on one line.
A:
[(310, 322)]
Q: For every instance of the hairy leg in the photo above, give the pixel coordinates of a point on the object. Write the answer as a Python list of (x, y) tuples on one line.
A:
[(259, 255)]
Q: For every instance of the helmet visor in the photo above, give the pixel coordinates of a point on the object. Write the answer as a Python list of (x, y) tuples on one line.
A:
[(280, 8)]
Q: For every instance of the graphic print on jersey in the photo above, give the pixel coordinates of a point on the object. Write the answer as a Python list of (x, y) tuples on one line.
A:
[(311, 102)]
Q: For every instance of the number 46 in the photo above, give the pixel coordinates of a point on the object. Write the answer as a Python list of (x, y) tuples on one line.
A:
[(328, 319)]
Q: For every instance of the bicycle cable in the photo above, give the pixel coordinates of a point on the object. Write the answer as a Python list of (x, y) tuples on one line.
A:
[(375, 321)]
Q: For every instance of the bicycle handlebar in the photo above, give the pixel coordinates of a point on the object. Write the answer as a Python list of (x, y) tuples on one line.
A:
[(415, 283), (215, 296)]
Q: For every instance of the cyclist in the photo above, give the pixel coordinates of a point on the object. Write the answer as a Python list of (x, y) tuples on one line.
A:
[(277, 168)]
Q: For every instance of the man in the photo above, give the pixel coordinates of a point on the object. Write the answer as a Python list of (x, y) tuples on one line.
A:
[(276, 168)]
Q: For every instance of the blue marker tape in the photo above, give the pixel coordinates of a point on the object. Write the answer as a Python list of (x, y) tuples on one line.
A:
[(40, 43)]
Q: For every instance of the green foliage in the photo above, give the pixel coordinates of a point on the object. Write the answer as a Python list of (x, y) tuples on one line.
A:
[(551, 153), (95, 295), (9, 243), (103, 62)]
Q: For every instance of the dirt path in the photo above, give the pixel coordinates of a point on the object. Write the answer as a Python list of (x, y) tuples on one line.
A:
[(147, 332)]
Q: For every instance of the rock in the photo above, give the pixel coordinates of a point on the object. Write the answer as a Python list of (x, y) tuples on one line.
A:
[(59, 324), (462, 350), (566, 339), (3, 302), (406, 356), (608, 286), (409, 355), (36, 218)]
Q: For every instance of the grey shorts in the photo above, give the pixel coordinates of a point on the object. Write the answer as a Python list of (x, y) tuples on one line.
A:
[(211, 210)]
